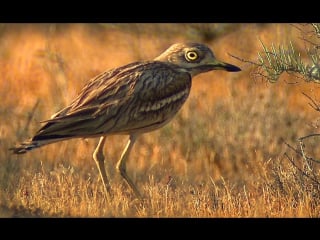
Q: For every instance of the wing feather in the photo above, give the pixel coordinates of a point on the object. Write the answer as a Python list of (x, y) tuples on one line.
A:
[(112, 101)]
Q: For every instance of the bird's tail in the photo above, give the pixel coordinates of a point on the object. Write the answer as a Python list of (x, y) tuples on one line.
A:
[(30, 144)]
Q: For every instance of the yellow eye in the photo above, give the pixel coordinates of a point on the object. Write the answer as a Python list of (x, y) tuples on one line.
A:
[(191, 56)]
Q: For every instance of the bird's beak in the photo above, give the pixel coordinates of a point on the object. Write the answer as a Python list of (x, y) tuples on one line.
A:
[(219, 65)]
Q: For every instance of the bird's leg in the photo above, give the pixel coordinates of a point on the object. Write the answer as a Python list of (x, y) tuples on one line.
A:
[(99, 159), (121, 165)]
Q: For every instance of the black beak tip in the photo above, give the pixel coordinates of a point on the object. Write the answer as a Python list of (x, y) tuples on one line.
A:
[(232, 68)]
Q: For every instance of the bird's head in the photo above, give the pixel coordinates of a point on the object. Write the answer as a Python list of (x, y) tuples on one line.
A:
[(194, 58)]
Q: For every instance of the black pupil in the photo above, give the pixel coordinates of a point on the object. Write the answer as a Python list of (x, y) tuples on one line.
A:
[(192, 55)]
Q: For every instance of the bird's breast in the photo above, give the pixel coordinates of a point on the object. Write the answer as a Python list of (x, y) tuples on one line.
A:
[(152, 115), (176, 99)]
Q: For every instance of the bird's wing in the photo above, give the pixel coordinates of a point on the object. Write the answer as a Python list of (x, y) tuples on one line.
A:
[(111, 102), (108, 88), (158, 95)]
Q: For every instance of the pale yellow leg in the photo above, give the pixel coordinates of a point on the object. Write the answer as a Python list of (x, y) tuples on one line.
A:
[(121, 165), (99, 159)]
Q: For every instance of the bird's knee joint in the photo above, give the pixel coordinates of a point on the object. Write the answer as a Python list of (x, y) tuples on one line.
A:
[(122, 170), (98, 156)]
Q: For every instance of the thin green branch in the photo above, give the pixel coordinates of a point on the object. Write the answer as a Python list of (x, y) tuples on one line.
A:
[(273, 61)]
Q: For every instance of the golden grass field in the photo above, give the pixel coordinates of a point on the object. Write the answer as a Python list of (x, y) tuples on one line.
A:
[(223, 155)]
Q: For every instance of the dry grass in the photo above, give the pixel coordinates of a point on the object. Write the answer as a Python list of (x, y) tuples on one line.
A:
[(222, 156)]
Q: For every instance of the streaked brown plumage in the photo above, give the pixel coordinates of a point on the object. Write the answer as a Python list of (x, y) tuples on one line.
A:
[(132, 99)]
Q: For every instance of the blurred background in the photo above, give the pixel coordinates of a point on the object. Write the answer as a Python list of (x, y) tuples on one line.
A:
[(230, 131)]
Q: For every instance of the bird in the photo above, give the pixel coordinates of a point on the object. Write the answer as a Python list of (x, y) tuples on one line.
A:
[(131, 100)]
